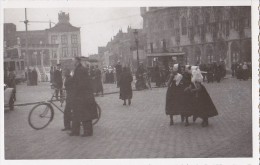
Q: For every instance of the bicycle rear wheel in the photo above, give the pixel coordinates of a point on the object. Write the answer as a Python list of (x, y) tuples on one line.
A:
[(99, 115), (40, 116)]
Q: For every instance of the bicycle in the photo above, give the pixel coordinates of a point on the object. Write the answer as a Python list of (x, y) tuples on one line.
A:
[(42, 114)]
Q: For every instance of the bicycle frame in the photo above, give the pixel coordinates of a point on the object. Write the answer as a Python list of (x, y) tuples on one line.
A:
[(60, 98)]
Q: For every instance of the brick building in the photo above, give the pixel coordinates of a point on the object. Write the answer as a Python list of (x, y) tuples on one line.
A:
[(196, 35)]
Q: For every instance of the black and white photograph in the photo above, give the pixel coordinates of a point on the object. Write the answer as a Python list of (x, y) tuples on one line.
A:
[(140, 82)]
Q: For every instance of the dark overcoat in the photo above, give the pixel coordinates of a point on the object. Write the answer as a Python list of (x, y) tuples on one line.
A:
[(92, 74), (83, 105), (125, 81), (68, 84), (30, 77), (202, 103), (98, 82), (34, 77), (57, 79), (118, 71)]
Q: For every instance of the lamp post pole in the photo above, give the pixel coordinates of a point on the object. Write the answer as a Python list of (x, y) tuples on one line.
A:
[(136, 42), (26, 46)]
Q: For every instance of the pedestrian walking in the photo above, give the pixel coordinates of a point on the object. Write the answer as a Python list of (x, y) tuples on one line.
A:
[(83, 103), (239, 72), (202, 104), (157, 76), (98, 79), (210, 73), (67, 118), (11, 81), (34, 77), (218, 73), (30, 77), (176, 98), (125, 81), (140, 80), (93, 78), (245, 71), (118, 72), (51, 74), (57, 81), (148, 78), (233, 68)]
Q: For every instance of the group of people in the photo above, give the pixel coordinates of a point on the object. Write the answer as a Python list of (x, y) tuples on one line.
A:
[(242, 71), (186, 96), (160, 76), (31, 76), (109, 76), (213, 71), (81, 107)]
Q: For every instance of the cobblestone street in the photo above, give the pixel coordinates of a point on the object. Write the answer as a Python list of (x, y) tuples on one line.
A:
[(141, 130)]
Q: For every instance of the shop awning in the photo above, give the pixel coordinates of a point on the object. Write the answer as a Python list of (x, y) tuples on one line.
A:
[(166, 54)]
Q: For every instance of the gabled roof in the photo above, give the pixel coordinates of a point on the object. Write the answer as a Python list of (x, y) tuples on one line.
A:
[(63, 27)]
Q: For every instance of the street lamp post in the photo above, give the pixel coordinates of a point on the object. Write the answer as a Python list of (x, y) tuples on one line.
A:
[(26, 45), (136, 42)]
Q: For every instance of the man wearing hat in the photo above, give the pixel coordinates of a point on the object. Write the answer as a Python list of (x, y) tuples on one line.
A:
[(57, 80), (83, 101)]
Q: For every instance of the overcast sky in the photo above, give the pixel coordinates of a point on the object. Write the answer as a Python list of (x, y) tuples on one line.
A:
[(98, 25)]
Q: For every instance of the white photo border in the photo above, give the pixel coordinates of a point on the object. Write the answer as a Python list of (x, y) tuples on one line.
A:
[(180, 161)]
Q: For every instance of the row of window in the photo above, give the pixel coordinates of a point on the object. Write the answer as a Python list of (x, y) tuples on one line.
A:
[(65, 52), (233, 24), (64, 39), (224, 27)]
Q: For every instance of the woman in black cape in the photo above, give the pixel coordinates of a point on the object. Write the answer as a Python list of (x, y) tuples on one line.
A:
[(125, 81), (202, 103), (176, 97)]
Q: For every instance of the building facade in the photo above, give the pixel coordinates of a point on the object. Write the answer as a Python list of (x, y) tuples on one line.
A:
[(200, 35), (122, 47), (50, 46), (67, 37)]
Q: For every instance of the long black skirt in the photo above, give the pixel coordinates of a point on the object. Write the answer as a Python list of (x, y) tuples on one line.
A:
[(178, 102), (203, 104)]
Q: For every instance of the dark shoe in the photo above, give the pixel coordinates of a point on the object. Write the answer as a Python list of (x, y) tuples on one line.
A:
[(124, 104), (171, 123), (65, 129), (74, 134), (129, 102)]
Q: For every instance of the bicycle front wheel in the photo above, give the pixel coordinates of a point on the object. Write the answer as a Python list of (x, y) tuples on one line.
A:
[(99, 115), (40, 116)]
